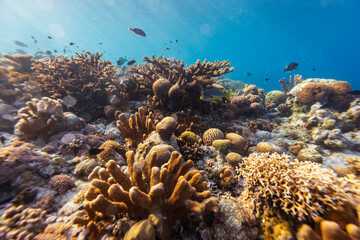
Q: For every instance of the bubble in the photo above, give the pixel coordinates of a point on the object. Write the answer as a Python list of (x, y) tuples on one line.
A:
[(68, 138), (56, 30), (46, 5), (69, 101), (205, 29)]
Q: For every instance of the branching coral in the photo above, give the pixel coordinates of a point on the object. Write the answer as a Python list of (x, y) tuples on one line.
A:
[(301, 189), (86, 78), (137, 128), (170, 194)]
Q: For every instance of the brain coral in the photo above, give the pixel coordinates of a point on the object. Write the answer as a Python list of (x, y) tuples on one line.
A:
[(174, 193), (314, 92), (301, 189), (211, 135)]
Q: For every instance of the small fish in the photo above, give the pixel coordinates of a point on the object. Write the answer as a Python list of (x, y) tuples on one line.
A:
[(48, 52), (138, 32), (314, 69), (35, 41), (71, 43), (248, 74), (131, 62), (55, 51), (170, 41), (267, 79), (167, 48), (215, 93), (77, 46), (121, 61), (291, 67), (21, 44), (95, 151), (164, 43), (176, 41), (20, 51), (49, 37), (64, 50), (100, 43), (32, 37), (355, 92)]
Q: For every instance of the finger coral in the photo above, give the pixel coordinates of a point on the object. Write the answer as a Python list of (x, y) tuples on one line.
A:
[(170, 194), (301, 189), (137, 128)]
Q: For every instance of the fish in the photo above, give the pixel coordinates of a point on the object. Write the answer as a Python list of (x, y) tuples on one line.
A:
[(95, 151), (64, 50), (138, 32), (167, 48), (314, 69), (291, 67), (176, 41), (170, 41), (35, 41), (121, 61), (100, 43), (77, 46), (21, 44), (131, 62), (355, 92), (32, 37), (71, 43), (267, 79), (248, 74), (48, 52), (164, 43), (49, 37), (20, 51), (215, 93), (55, 51)]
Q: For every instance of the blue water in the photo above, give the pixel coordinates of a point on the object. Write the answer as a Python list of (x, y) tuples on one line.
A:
[(257, 36)]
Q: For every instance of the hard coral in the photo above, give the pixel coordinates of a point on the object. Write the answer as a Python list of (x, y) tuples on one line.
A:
[(109, 151), (211, 135), (341, 97), (300, 189), (137, 128), (62, 183), (170, 194), (314, 92), (85, 78)]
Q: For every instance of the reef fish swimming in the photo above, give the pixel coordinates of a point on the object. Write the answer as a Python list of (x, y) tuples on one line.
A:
[(21, 44), (138, 32), (291, 67), (215, 93), (131, 62), (121, 61)]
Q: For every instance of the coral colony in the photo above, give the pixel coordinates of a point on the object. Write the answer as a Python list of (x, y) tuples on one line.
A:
[(88, 152)]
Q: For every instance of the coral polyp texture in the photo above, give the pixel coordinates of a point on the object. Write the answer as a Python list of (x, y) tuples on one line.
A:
[(172, 193), (301, 189)]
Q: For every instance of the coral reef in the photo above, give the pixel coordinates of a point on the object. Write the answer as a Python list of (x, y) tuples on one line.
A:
[(211, 135), (61, 183), (166, 195)]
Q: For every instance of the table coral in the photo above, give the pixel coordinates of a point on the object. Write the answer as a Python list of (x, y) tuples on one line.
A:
[(301, 189), (170, 194)]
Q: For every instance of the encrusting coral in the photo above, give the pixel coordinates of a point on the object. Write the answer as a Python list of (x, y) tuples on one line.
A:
[(137, 128), (301, 189), (173, 193)]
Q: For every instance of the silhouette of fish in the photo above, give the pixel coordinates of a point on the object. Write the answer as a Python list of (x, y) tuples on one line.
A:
[(64, 50), (48, 52), (131, 62), (176, 41), (49, 37), (170, 41), (138, 32), (21, 44), (71, 43), (291, 67), (267, 79), (100, 43), (314, 69), (55, 51), (248, 74), (32, 37)]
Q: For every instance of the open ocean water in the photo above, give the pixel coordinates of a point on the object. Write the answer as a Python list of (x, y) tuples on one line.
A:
[(260, 37)]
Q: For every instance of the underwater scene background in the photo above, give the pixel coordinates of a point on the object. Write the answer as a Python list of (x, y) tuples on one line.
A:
[(260, 37), (154, 119)]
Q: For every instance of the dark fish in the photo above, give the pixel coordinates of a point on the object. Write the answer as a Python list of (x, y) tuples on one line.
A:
[(131, 62), (2, 139), (170, 41), (164, 43), (267, 79), (49, 37), (95, 151), (71, 43), (314, 69), (32, 37), (355, 92), (100, 43), (176, 41), (138, 32), (48, 52), (248, 74), (55, 51), (121, 61), (35, 41), (20, 51), (77, 46), (291, 67), (21, 44), (167, 48), (64, 50)]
